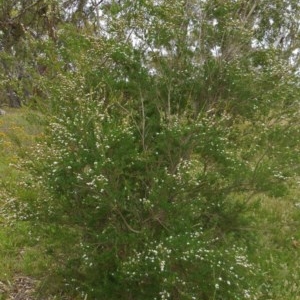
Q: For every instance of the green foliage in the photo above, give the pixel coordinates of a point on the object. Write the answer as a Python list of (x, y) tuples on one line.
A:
[(161, 128), (187, 266), (128, 196)]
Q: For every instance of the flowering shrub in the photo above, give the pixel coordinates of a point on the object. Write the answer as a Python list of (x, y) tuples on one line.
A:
[(149, 211), (145, 194)]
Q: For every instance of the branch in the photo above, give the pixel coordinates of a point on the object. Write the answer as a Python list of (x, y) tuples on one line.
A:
[(125, 222), (250, 12)]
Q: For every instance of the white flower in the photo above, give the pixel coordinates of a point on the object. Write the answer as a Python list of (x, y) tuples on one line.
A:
[(162, 265)]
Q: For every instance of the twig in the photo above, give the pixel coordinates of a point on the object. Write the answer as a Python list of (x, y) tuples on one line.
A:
[(125, 222)]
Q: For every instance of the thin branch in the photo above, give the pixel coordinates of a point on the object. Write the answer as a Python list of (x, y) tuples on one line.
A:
[(250, 12), (143, 133), (125, 222)]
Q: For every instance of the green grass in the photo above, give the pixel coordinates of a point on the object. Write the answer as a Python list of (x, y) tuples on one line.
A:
[(19, 253), (25, 250), (275, 224)]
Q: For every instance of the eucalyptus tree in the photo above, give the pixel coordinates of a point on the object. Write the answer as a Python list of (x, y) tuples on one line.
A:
[(21, 23), (29, 34)]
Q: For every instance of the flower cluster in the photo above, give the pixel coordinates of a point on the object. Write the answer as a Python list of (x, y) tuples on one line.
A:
[(192, 266)]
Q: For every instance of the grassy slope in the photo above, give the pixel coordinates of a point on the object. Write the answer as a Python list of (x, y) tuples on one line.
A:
[(275, 223), (19, 254)]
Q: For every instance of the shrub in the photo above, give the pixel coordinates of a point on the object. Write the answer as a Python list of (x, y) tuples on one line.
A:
[(149, 212)]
